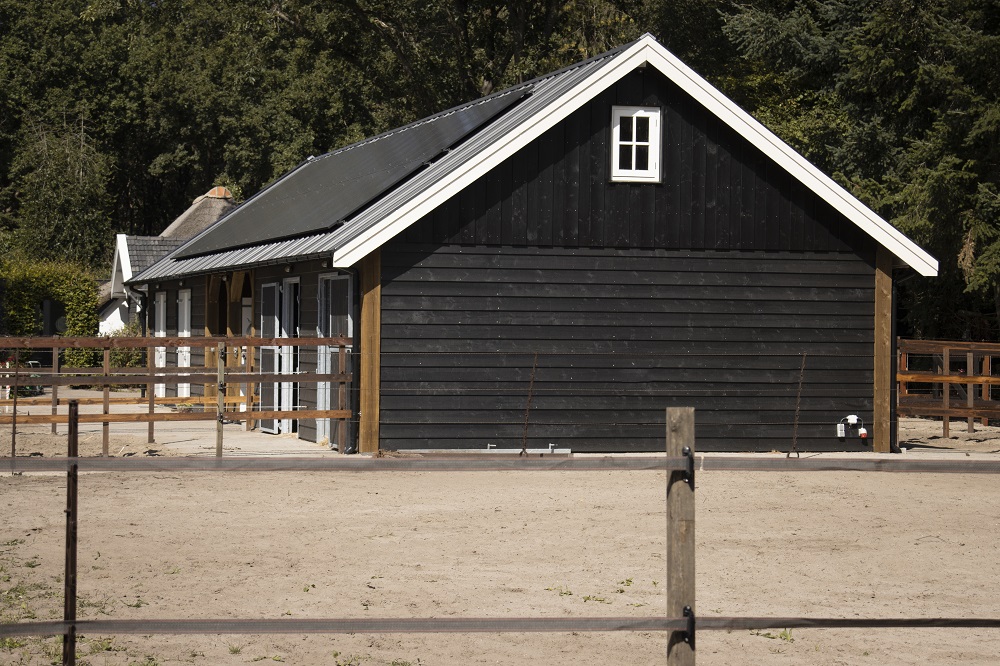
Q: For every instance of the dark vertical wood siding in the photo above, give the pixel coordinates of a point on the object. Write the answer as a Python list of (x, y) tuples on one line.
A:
[(718, 191), (705, 290), (620, 336)]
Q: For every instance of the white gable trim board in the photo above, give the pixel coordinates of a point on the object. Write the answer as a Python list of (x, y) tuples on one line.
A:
[(121, 271), (646, 51)]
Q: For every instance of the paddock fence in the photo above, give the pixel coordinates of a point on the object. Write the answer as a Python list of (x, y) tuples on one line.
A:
[(950, 380), (680, 622), (232, 385)]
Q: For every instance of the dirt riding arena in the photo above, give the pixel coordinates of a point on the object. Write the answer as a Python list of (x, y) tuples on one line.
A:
[(502, 544)]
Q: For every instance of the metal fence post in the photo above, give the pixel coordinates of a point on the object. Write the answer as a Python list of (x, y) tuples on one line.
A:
[(680, 536)]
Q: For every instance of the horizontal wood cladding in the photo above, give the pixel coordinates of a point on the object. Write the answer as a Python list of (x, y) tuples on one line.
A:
[(607, 339), (718, 191)]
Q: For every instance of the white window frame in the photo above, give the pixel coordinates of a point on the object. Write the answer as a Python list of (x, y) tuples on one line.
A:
[(160, 331), (184, 331), (626, 173)]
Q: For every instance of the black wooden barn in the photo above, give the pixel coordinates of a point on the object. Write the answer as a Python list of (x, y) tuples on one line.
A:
[(556, 264)]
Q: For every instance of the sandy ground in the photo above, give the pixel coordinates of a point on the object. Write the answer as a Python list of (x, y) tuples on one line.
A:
[(554, 544)]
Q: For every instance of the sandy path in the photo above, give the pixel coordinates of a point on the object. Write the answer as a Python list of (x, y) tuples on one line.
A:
[(508, 545)]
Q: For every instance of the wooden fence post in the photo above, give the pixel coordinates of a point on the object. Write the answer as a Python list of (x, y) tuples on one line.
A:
[(220, 397), (341, 399), (55, 387), (680, 536), (105, 426), (69, 576), (150, 392), (987, 389), (13, 417), (970, 390), (946, 370)]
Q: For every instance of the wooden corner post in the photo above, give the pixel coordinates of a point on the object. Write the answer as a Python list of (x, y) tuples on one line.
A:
[(882, 408), (680, 536), (371, 350)]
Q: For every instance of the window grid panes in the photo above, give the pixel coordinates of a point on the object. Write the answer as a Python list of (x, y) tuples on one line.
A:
[(636, 144)]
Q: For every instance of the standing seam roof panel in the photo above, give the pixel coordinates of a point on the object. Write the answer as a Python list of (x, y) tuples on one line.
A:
[(543, 91)]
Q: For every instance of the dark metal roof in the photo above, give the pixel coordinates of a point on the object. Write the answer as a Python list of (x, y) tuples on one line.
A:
[(144, 251), (321, 192), (498, 118)]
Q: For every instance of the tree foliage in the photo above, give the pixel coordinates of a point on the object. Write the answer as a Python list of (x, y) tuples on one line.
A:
[(116, 114), (897, 99)]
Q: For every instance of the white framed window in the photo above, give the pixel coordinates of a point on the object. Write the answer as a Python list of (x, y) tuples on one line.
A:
[(635, 144)]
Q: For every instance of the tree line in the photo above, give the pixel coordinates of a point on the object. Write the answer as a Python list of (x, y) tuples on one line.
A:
[(116, 114)]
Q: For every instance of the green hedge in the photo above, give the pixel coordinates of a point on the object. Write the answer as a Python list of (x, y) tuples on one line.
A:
[(27, 284)]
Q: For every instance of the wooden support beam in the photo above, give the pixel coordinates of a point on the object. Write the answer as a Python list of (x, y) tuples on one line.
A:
[(371, 348), (882, 421)]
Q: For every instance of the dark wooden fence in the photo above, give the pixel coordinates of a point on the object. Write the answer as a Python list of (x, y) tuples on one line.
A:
[(229, 378)]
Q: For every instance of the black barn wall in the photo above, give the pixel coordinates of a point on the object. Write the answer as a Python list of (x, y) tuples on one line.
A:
[(620, 336), (706, 290)]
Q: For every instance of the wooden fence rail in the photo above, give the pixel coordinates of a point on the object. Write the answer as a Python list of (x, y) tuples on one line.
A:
[(229, 370), (948, 379), (680, 557)]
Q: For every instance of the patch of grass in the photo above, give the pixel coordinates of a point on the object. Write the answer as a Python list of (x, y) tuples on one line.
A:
[(563, 591), (235, 648), (99, 605), (11, 643), (138, 603), (352, 660), (784, 634), (104, 645), (33, 563), (594, 597)]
